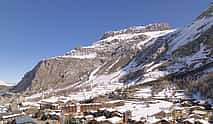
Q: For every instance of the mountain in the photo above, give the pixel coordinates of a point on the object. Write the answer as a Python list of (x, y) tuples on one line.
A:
[(2, 83), (132, 56), (111, 53)]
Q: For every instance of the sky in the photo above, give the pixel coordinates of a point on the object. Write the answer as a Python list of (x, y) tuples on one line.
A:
[(32, 30)]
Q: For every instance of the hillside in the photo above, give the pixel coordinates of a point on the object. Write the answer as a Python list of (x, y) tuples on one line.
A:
[(131, 56), (106, 56)]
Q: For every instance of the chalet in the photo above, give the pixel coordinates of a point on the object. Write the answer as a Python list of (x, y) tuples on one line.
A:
[(77, 108), (115, 120), (10, 117), (3, 109), (89, 107), (101, 118), (48, 105), (69, 109), (89, 117)]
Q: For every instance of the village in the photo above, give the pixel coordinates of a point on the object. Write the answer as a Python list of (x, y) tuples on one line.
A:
[(119, 107)]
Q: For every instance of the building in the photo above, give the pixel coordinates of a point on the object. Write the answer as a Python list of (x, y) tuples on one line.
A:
[(10, 117), (3, 109)]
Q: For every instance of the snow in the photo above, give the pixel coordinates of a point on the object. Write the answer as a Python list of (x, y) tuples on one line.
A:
[(54, 113), (113, 64), (92, 75), (88, 47), (152, 67), (195, 58), (155, 74), (198, 112), (193, 120), (86, 56), (140, 109), (144, 93), (3, 109), (203, 121), (99, 85), (101, 118), (120, 37), (190, 33), (12, 115), (154, 35), (115, 120), (2, 83), (151, 35), (104, 83), (170, 93), (52, 99), (34, 104)]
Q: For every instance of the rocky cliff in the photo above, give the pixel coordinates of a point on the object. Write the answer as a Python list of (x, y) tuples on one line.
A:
[(77, 65), (130, 56)]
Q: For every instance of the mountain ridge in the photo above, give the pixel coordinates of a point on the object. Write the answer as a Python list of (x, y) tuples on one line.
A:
[(135, 55), (109, 47)]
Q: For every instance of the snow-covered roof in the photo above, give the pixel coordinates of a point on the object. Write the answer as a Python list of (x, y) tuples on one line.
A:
[(115, 120), (100, 118), (199, 112)]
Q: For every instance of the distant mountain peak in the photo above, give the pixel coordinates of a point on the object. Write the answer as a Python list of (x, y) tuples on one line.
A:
[(2, 83)]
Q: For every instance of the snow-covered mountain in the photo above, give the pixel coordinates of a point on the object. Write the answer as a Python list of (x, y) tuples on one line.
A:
[(104, 57), (2, 83), (132, 56)]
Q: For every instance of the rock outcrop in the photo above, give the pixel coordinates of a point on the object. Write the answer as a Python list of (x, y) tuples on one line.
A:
[(77, 65)]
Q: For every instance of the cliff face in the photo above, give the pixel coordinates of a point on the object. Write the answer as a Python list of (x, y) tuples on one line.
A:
[(130, 56), (109, 54), (54, 73)]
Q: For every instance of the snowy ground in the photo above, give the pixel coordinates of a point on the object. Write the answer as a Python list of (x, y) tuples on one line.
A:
[(143, 93), (142, 109)]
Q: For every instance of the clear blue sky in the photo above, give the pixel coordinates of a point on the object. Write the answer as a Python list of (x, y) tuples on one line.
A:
[(31, 30)]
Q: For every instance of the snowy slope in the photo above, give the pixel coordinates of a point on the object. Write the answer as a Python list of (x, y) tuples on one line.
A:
[(99, 84), (190, 33), (130, 56)]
